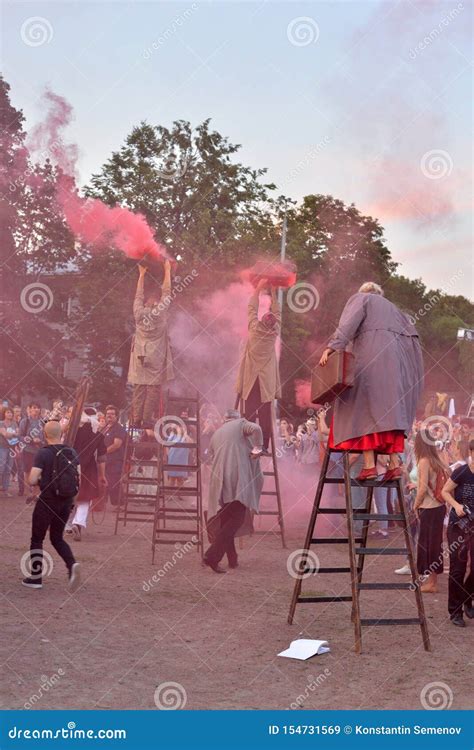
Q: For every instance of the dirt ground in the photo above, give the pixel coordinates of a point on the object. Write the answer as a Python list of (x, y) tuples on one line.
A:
[(118, 638)]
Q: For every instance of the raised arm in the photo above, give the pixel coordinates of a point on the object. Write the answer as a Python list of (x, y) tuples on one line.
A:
[(138, 302), (253, 304), (275, 307)]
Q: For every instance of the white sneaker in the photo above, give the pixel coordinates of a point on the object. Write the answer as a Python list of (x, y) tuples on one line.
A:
[(404, 571), (74, 577)]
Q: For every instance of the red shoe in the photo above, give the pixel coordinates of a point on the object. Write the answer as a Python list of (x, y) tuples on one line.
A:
[(392, 474), (367, 474)]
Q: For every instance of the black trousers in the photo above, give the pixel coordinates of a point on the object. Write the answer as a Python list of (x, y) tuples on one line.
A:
[(460, 588), (429, 558), (256, 411), (113, 474), (231, 517), (50, 515)]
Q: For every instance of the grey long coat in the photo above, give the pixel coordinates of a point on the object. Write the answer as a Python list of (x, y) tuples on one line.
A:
[(150, 358), (388, 368), (234, 475), (259, 359)]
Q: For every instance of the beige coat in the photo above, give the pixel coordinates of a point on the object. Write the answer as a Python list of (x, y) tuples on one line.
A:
[(259, 358), (150, 358)]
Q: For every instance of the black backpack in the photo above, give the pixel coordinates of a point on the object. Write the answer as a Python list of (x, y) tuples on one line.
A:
[(65, 474)]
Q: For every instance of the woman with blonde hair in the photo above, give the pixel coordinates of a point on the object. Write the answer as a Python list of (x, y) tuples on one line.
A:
[(378, 411)]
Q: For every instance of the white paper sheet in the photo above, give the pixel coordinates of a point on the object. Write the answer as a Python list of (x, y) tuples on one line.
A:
[(305, 648)]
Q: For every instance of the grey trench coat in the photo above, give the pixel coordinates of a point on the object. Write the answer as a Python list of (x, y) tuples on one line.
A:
[(259, 359), (388, 368), (150, 358), (234, 475)]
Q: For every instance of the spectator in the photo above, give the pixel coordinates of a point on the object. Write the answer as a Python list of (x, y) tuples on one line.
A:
[(431, 510), (115, 437), (18, 460), (91, 450), (8, 441), (31, 432), (458, 492)]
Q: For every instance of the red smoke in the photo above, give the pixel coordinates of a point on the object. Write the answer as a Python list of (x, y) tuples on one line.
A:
[(303, 393), (91, 220)]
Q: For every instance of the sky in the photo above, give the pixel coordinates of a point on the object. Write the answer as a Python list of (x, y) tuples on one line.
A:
[(367, 101)]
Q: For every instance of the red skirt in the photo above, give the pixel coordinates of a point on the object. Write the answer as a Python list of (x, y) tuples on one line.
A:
[(391, 441)]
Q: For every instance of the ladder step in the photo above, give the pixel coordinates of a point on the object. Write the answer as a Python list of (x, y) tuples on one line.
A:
[(383, 586), (142, 462), (269, 493), (332, 511), (268, 513), (168, 490), (182, 399), (158, 540), (381, 551), (176, 531), (332, 570), (366, 483), (334, 540), (382, 621), (180, 467), (378, 517), (268, 473), (143, 480), (313, 599)]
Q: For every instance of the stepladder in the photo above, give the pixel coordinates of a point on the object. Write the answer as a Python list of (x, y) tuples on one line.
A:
[(271, 506), (178, 512), (139, 481), (357, 521)]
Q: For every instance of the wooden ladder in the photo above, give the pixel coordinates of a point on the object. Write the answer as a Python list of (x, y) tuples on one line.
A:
[(357, 554), (179, 523), (138, 507)]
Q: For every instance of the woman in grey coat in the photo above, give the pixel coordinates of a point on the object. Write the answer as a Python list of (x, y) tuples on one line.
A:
[(375, 414)]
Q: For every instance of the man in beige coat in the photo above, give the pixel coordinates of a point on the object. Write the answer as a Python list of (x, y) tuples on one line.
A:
[(258, 381), (151, 362)]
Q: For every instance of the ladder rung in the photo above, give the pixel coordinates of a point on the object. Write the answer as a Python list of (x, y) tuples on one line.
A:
[(314, 599), (268, 513), (381, 551), (129, 517), (132, 496), (334, 540), (382, 621), (142, 462), (268, 473), (332, 510), (332, 570), (143, 480), (180, 467), (176, 531), (378, 517), (157, 540), (383, 586), (269, 493), (375, 483), (167, 489), (333, 480)]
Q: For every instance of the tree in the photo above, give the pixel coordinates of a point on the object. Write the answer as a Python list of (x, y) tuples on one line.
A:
[(34, 240)]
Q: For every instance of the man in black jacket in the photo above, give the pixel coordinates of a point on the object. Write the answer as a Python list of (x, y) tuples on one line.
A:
[(51, 511)]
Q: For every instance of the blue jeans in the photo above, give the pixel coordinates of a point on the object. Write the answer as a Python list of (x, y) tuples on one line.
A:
[(380, 498), (6, 463)]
